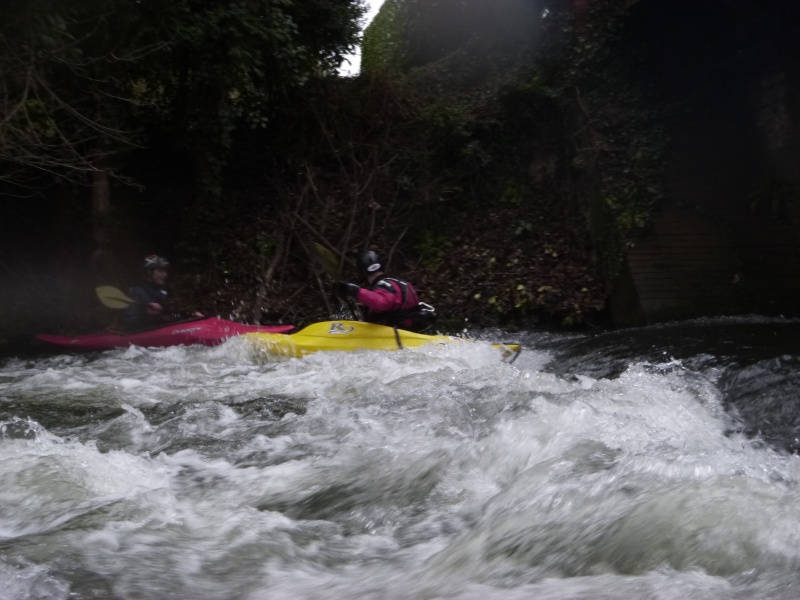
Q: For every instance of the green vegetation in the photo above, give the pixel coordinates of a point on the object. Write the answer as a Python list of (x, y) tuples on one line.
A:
[(470, 153), (549, 132), (384, 47)]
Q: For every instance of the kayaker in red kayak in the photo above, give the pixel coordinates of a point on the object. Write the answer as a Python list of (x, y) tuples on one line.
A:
[(153, 307), (389, 300)]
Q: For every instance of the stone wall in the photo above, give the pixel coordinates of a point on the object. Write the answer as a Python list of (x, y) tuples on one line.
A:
[(726, 239)]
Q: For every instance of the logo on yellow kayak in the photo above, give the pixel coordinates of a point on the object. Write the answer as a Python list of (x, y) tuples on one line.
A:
[(340, 329)]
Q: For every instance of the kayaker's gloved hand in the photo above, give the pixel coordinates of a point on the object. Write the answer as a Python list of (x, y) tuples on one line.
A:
[(344, 289)]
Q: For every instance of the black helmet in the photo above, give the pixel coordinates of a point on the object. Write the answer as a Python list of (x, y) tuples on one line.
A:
[(368, 263), (155, 262)]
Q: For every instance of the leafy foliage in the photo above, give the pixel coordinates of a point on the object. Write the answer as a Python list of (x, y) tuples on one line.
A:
[(54, 60), (553, 121), (469, 153), (77, 73), (384, 48), (407, 34), (151, 93)]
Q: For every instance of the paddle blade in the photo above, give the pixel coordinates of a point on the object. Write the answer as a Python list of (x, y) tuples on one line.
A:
[(113, 297), (330, 263), (327, 259)]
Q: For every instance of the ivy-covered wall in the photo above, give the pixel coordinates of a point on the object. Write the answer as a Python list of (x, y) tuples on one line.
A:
[(551, 118), (617, 113), (611, 138), (411, 33), (730, 78)]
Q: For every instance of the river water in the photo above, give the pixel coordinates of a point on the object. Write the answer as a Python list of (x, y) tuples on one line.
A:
[(646, 463)]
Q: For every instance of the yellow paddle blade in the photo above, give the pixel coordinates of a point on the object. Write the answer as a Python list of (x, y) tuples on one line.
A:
[(330, 263), (510, 351), (327, 259), (113, 297)]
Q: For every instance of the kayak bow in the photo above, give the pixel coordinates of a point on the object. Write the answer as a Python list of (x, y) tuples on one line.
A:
[(355, 335), (207, 332)]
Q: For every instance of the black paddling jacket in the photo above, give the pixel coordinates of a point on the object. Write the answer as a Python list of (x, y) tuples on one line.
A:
[(136, 316)]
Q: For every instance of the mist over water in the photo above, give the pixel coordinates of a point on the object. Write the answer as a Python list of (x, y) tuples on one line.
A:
[(650, 463)]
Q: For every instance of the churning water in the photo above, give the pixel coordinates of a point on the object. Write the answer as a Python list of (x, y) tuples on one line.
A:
[(649, 463)]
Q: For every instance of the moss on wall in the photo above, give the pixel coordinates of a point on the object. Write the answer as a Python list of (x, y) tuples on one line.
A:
[(384, 47), (534, 117), (407, 34)]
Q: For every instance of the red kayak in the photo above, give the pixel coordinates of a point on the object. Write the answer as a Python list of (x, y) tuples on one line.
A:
[(207, 332)]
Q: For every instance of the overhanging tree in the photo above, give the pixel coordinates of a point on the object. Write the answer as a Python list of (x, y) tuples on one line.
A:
[(85, 81)]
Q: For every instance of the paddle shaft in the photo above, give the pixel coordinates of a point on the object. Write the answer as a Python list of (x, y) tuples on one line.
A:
[(328, 261)]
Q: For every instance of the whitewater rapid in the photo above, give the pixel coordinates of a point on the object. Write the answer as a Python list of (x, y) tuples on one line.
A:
[(437, 473)]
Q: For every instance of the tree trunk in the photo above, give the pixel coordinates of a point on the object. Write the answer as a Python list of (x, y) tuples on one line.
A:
[(101, 261)]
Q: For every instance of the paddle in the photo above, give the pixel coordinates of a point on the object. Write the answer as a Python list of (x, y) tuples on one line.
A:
[(113, 297), (330, 263)]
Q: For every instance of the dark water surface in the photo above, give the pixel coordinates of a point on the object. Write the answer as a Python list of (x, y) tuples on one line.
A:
[(655, 463)]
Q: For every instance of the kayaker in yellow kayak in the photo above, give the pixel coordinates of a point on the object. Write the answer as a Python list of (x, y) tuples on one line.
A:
[(389, 300), (152, 306)]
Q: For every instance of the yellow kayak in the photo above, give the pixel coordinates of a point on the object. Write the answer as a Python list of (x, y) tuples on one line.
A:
[(355, 335)]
